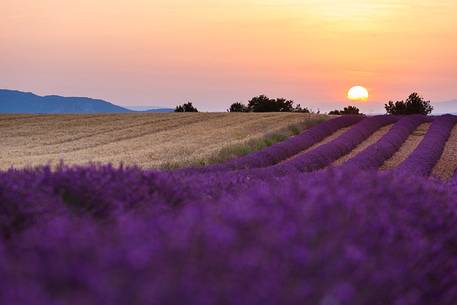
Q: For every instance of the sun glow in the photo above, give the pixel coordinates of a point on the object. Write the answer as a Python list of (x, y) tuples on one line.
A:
[(358, 93)]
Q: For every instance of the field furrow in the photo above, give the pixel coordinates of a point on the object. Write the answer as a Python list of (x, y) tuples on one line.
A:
[(375, 137), (328, 153), (117, 133), (423, 159), (283, 150), (327, 140), (447, 164), (407, 148), (376, 154), (148, 140)]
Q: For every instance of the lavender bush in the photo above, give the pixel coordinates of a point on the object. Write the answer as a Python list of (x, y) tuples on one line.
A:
[(453, 180), (283, 150), (325, 154), (375, 155), (422, 160), (333, 237)]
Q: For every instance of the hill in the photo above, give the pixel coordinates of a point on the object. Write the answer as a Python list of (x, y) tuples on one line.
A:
[(12, 101), (160, 110), (150, 109)]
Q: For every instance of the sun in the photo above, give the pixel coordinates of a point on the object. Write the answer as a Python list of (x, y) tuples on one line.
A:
[(358, 93)]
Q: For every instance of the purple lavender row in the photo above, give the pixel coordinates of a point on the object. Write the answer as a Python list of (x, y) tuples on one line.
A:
[(283, 150), (315, 159), (325, 154), (453, 180), (422, 160), (376, 154), (309, 161), (331, 237)]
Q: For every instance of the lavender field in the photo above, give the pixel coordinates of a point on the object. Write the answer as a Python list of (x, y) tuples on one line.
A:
[(290, 224)]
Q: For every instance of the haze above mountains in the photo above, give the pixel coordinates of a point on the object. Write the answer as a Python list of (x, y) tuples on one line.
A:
[(17, 102), (12, 101), (445, 107)]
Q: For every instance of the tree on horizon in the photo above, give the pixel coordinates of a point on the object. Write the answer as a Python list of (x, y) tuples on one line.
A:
[(238, 107), (349, 110), (187, 107), (263, 103), (414, 104)]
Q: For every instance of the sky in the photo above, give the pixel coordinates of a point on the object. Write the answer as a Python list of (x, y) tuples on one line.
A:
[(213, 53)]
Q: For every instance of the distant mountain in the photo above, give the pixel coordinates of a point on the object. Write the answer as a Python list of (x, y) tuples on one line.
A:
[(12, 101), (149, 109), (162, 110), (445, 107)]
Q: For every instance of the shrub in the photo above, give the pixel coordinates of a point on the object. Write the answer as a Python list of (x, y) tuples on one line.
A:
[(238, 107), (173, 242), (414, 104), (349, 110), (187, 107), (263, 103), (298, 108)]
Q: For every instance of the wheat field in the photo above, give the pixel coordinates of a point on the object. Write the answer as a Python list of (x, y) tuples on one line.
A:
[(148, 140)]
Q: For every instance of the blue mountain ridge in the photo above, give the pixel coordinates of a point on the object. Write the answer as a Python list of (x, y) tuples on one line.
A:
[(18, 102)]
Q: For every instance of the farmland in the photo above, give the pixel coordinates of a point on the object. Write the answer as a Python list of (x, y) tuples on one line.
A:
[(146, 140), (354, 210)]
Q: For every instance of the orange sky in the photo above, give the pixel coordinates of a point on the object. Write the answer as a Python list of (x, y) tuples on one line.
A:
[(213, 53)]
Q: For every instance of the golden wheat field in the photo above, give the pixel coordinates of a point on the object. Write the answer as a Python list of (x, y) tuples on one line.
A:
[(148, 140)]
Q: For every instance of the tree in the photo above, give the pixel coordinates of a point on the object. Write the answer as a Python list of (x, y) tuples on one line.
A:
[(414, 104), (349, 110), (238, 107), (187, 107), (262, 103), (298, 108)]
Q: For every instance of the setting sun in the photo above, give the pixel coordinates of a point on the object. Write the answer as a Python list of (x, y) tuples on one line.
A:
[(358, 93)]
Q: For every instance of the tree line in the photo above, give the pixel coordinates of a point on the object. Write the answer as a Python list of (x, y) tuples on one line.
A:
[(414, 104)]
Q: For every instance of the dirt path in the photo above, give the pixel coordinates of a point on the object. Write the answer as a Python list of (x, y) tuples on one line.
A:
[(328, 139), (375, 137), (407, 148), (447, 165)]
